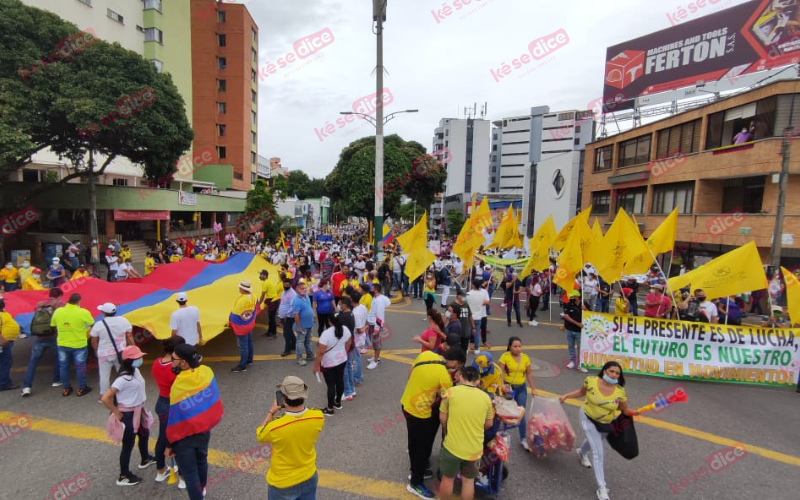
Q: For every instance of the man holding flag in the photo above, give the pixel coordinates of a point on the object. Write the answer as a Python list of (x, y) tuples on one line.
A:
[(242, 321)]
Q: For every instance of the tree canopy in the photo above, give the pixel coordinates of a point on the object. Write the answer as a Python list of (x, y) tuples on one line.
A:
[(407, 171), (300, 185)]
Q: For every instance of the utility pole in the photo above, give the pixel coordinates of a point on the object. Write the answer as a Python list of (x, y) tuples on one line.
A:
[(379, 11), (783, 180)]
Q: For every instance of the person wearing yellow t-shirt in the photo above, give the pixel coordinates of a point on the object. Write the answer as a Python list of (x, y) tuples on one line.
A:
[(9, 277), (269, 301), (605, 395), (366, 296), (428, 381), (9, 332), (73, 323), (491, 375), (149, 264), (81, 272), (465, 414), (175, 258), (25, 271), (124, 253), (293, 436), (35, 281), (516, 368), (621, 305)]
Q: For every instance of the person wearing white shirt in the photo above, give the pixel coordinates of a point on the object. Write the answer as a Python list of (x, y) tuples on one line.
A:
[(185, 322), (360, 267), (590, 287), (377, 323), (107, 333), (478, 299)]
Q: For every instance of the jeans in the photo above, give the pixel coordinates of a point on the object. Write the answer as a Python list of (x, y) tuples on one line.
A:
[(533, 305), (128, 437), (10, 286), (191, 454), (521, 397), (162, 411), (272, 312), (421, 435), (6, 360), (307, 490), (77, 356), (398, 280), (245, 349), (515, 305), (484, 320), (351, 377), (602, 305), (289, 341), (40, 344), (304, 343), (634, 306), (406, 284), (334, 379), (416, 288), (574, 346)]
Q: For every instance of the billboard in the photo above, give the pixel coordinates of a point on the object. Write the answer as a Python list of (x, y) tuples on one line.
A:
[(754, 36)]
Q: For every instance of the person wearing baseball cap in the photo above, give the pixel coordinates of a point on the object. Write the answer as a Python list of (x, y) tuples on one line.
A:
[(185, 321), (573, 323), (129, 391), (269, 299), (110, 336), (56, 273), (656, 304), (242, 320), (292, 472)]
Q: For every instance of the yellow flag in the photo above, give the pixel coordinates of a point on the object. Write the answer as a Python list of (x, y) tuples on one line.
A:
[(563, 235), (415, 236), (737, 271), (514, 239), (471, 236), (792, 295), (598, 232), (415, 243), (570, 261), (539, 259), (590, 246), (662, 240), (504, 231), (545, 234), (620, 244)]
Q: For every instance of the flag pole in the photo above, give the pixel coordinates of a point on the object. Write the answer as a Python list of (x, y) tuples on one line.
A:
[(669, 291)]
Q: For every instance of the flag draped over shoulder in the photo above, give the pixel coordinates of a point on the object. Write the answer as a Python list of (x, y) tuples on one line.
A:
[(621, 243), (415, 244), (792, 294), (243, 316), (471, 236), (738, 271), (387, 234), (194, 404), (662, 240)]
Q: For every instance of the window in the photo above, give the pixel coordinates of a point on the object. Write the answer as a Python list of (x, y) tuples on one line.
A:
[(253, 76), (494, 147), (566, 116), (238, 176), (254, 56), (153, 35), (119, 182), (494, 169), (86, 2), (253, 158), (221, 130), (601, 202), (221, 16), (221, 40), (30, 175), (222, 62), (253, 138), (757, 119), (116, 17), (152, 4), (577, 141), (253, 96), (222, 85), (222, 152), (668, 196), (577, 129), (743, 194), (158, 65), (635, 151), (253, 35), (684, 138), (632, 201), (253, 117), (222, 108), (603, 158), (252, 177), (558, 182)]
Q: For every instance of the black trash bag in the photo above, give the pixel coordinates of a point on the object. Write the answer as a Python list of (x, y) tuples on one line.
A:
[(622, 437)]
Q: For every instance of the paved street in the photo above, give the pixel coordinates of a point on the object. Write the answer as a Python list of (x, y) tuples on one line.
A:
[(67, 435)]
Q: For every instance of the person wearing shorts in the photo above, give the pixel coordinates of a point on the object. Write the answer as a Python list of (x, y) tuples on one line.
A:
[(466, 412)]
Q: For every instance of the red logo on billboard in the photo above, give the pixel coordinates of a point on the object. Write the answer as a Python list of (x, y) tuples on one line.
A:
[(624, 68)]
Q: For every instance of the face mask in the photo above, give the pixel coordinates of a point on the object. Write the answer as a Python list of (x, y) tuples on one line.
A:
[(25, 264), (176, 370), (610, 380), (137, 362), (447, 315), (36, 276), (9, 266)]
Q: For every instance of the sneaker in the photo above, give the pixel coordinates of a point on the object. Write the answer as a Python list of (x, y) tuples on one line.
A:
[(147, 462), (327, 412), (26, 391), (23, 336), (602, 493), (284, 354), (571, 365), (363, 351), (83, 391), (524, 443), (509, 323), (476, 352), (482, 480), (584, 459), (582, 369), (67, 391), (302, 362), (128, 479), (533, 323), (249, 362), (337, 406), (162, 476), (239, 369), (181, 484), (373, 364), (349, 397), (420, 490), (428, 474), (55, 384)]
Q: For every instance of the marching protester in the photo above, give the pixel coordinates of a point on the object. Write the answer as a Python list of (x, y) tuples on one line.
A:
[(517, 375), (323, 305), (573, 317), (110, 337), (304, 318), (164, 377), (125, 400), (478, 300), (656, 304), (286, 315), (332, 348), (605, 395), (9, 332), (292, 474), (269, 301), (434, 334), (44, 337), (189, 429), (185, 321), (467, 320), (429, 293), (9, 278), (242, 321), (377, 323), (72, 323), (535, 293), (512, 287)]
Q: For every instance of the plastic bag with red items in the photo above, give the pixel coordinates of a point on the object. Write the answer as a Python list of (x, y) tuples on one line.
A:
[(499, 445), (548, 429)]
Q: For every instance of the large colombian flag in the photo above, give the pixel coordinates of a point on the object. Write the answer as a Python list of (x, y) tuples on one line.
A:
[(243, 317), (194, 404)]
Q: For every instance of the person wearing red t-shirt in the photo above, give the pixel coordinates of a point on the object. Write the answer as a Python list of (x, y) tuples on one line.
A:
[(339, 275), (164, 377), (656, 304)]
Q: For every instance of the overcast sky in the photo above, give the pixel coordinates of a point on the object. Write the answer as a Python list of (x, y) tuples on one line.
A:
[(438, 68)]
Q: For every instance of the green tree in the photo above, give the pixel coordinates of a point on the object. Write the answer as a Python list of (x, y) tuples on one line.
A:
[(280, 187), (260, 212), (298, 184), (406, 212), (407, 170), (455, 220)]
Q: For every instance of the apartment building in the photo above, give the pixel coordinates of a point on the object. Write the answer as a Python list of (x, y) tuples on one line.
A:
[(718, 164)]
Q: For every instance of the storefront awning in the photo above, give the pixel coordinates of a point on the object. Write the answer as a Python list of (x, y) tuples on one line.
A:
[(141, 214)]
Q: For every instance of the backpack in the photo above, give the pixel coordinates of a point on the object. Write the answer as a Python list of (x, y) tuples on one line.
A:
[(40, 324)]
